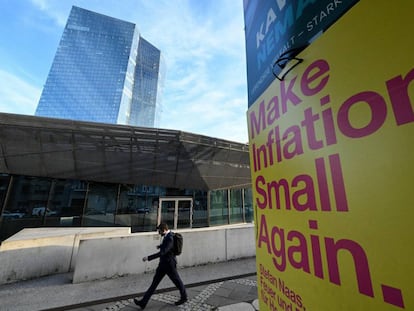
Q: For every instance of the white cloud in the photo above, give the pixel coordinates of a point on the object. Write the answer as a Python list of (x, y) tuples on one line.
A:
[(57, 10), (205, 88), (17, 96)]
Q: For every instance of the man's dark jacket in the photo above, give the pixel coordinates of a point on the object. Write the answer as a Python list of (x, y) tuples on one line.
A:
[(166, 253)]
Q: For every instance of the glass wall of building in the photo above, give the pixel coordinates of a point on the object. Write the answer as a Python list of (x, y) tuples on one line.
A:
[(248, 205), (66, 203), (219, 212), (138, 207), (236, 206), (200, 212), (26, 204), (30, 202), (100, 205), (4, 185)]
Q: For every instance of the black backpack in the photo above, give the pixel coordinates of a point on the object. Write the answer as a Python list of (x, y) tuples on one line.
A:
[(178, 244)]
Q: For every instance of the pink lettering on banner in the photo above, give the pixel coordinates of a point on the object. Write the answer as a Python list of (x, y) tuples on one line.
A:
[(290, 248), (400, 99), (287, 94), (300, 193), (308, 123), (313, 81), (257, 124), (328, 122), (360, 261), (323, 184), (316, 250), (314, 71), (293, 142), (378, 109), (322, 189), (392, 296), (338, 183)]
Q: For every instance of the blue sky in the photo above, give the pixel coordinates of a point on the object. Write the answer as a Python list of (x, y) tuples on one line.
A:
[(202, 42)]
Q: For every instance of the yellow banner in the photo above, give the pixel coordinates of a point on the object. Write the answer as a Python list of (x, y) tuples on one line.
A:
[(332, 160)]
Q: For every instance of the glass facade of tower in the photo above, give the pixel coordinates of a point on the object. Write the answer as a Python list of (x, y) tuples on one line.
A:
[(95, 74), (148, 81)]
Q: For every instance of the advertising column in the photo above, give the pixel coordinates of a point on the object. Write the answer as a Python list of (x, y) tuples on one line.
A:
[(331, 135)]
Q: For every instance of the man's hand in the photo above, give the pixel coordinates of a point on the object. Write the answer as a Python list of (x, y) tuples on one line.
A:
[(144, 258)]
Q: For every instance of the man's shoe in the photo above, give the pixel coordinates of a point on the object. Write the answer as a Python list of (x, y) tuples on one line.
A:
[(180, 302), (139, 303)]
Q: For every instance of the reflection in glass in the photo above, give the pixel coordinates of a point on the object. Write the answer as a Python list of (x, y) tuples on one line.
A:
[(4, 184), (26, 206), (101, 205), (236, 206), (167, 212), (248, 205), (184, 213), (138, 207), (200, 214), (37, 202), (67, 199), (218, 207), (29, 196)]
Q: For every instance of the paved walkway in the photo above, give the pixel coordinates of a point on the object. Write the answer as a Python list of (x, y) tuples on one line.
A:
[(236, 294), (223, 286)]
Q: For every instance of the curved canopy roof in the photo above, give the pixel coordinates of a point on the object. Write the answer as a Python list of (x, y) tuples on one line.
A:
[(58, 148)]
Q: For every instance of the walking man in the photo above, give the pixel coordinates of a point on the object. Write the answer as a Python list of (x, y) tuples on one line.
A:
[(167, 266)]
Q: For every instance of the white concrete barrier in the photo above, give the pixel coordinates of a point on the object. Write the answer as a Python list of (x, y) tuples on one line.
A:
[(38, 252), (107, 252), (100, 258), (240, 242), (95, 232)]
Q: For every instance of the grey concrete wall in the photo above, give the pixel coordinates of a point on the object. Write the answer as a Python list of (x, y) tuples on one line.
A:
[(100, 258), (36, 252), (240, 243)]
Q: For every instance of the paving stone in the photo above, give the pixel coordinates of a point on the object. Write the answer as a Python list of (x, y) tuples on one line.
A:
[(218, 301), (241, 306), (223, 292)]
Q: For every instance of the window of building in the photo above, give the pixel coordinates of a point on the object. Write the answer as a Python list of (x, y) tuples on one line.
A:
[(138, 207), (66, 203), (219, 211), (200, 213), (26, 206), (248, 205), (36, 202), (101, 205), (236, 206)]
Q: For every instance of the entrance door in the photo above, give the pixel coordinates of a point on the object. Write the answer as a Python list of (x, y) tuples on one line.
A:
[(177, 211)]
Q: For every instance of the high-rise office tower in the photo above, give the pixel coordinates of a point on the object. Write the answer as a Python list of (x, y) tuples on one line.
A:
[(103, 71)]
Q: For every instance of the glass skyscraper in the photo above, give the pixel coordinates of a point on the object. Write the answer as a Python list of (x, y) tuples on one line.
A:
[(103, 71)]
